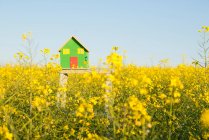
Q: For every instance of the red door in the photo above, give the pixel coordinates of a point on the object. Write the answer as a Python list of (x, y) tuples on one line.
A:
[(73, 62)]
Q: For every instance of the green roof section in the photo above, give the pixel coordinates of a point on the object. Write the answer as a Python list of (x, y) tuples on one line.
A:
[(76, 40)]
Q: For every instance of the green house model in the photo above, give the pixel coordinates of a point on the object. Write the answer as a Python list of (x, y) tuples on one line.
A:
[(73, 55)]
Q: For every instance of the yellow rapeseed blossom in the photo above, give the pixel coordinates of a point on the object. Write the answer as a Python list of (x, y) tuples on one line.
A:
[(114, 60), (5, 134), (139, 112), (2, 91), (176, 94), (93, 137), (204, 29), (175, 82), (72, 131), (24, 37), (66, 127), (20, 55), (39, 103), (162, 96), (45, 51), (54, 56), (130, 102), (85, 110), (205, 118)]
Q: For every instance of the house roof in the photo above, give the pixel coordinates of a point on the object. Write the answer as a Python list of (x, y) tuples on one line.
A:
[(74, 38)]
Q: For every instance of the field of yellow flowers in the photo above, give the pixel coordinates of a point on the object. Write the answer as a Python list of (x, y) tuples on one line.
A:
[(116, 102), (129, 102)]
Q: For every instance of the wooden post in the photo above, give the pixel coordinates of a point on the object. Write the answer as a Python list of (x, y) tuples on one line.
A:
[(61, 96)]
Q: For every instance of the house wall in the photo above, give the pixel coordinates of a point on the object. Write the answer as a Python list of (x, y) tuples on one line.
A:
[(65, 58)]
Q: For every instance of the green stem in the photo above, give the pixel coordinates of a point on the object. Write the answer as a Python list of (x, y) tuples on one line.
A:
[(144, 132), (114, 128), (30, 130), (170, 119)]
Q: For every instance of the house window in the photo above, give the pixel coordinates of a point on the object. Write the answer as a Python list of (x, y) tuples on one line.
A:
[(66, 51), (80, 51)]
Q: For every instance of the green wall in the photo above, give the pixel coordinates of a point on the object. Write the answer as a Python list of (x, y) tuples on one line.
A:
[(73, 45)]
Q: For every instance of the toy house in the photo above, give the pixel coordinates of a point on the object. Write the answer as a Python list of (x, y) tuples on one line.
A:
[(73, 55)]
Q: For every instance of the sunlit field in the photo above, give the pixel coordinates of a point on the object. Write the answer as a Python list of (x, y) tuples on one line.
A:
[(111, 101), (126, 102)]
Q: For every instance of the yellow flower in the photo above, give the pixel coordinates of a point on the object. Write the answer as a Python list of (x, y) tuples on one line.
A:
[(134, 82), (205, 118), (19, 55), (5, 133), (207, 28), (114, 60), (115, 48), (168, 101), (72, 131), (176, 100), (66, 127), (175, 82), (62, 89), (203, 27), (162, 96), (8, 136), (176, 94), (39, 103), (54, 56), (81, 108), (139, 113), (45, 51), (147, 80), (24, 37), (143, 91), (93, 100), (2, 91)]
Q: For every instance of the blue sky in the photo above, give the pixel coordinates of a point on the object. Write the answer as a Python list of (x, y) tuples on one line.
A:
[(148, 30)]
